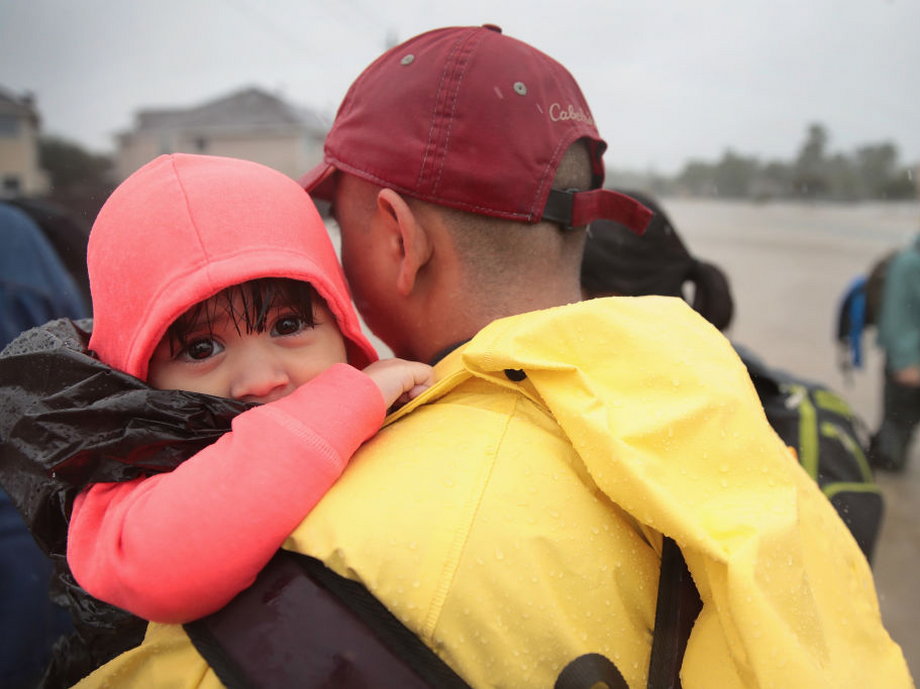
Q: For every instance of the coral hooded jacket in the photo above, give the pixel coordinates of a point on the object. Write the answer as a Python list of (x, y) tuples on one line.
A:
[(176, 546)]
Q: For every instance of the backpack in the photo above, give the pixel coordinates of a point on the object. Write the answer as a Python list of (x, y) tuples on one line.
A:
[(830, 441), (860, 308)]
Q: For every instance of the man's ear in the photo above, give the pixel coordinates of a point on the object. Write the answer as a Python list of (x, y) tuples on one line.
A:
[(411, 243)]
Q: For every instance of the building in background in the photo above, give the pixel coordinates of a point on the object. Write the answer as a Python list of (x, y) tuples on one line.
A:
[(20, 172), (251, 124)]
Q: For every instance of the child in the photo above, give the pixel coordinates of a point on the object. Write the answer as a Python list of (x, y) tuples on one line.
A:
[(217, 276)]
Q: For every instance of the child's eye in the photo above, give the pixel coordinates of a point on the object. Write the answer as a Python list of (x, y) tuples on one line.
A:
[(289, 325), (204, 348)]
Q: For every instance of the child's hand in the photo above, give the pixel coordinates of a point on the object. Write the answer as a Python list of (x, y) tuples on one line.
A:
[(400, 380)]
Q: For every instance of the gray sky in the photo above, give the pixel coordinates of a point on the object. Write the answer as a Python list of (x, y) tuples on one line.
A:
[(667, 80)]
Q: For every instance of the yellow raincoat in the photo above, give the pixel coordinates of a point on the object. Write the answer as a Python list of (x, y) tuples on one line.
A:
[(514, 522)]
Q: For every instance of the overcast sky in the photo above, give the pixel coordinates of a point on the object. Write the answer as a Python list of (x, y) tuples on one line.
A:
[(668, 80)]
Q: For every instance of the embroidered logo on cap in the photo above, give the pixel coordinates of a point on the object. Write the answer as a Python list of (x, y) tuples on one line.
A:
[(559, 114)]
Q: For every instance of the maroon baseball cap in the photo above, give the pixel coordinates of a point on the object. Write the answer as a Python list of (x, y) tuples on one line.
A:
[(468, 118)]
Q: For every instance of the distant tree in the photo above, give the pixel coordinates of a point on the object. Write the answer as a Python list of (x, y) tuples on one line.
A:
[(80, 180), (810, 169), (775, 180), (654, 182), (876, 165), (697, 179), (735, 175), (872, 171), (813, 150), (843, 182), (902, 186)]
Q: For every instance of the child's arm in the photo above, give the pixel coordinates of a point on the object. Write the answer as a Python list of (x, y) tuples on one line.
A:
[(177, 546)]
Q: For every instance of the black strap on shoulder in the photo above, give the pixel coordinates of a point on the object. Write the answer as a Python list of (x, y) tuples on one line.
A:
[(401, 641), (677, 608), (231, 675), (588, 671), (301, 624)]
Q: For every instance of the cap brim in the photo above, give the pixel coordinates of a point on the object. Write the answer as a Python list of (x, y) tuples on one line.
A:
[(320, 182)]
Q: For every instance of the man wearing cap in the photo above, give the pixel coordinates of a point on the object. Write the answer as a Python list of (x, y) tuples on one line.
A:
[(514, 516)]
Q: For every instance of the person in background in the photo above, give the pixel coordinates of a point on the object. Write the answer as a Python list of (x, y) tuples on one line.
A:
[(34, 288), (67, 233), (899, 338), (816, 422)]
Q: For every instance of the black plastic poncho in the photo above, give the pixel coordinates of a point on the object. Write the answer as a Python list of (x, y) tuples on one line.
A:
[(67, 420)]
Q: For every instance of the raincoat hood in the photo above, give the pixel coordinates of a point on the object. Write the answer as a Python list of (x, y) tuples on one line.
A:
[(600, 427), (184, 227)]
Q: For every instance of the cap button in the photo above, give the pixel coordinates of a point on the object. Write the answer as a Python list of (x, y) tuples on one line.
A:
[(492, 27)]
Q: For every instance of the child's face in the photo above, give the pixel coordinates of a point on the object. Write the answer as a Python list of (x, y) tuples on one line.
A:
[(222, 359)]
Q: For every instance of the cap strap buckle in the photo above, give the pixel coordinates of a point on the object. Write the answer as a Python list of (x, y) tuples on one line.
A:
[(572, 208)]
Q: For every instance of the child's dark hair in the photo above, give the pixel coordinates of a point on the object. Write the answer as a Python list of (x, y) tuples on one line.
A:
[(248, 305)]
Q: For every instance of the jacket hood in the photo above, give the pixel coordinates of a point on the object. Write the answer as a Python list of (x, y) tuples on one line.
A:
[(184, 227), (599, 427)]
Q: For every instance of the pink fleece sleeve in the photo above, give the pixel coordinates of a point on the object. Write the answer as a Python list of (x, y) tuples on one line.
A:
[(174, 547)]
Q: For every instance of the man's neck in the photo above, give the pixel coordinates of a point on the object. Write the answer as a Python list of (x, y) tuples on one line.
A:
[(450, 322)]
